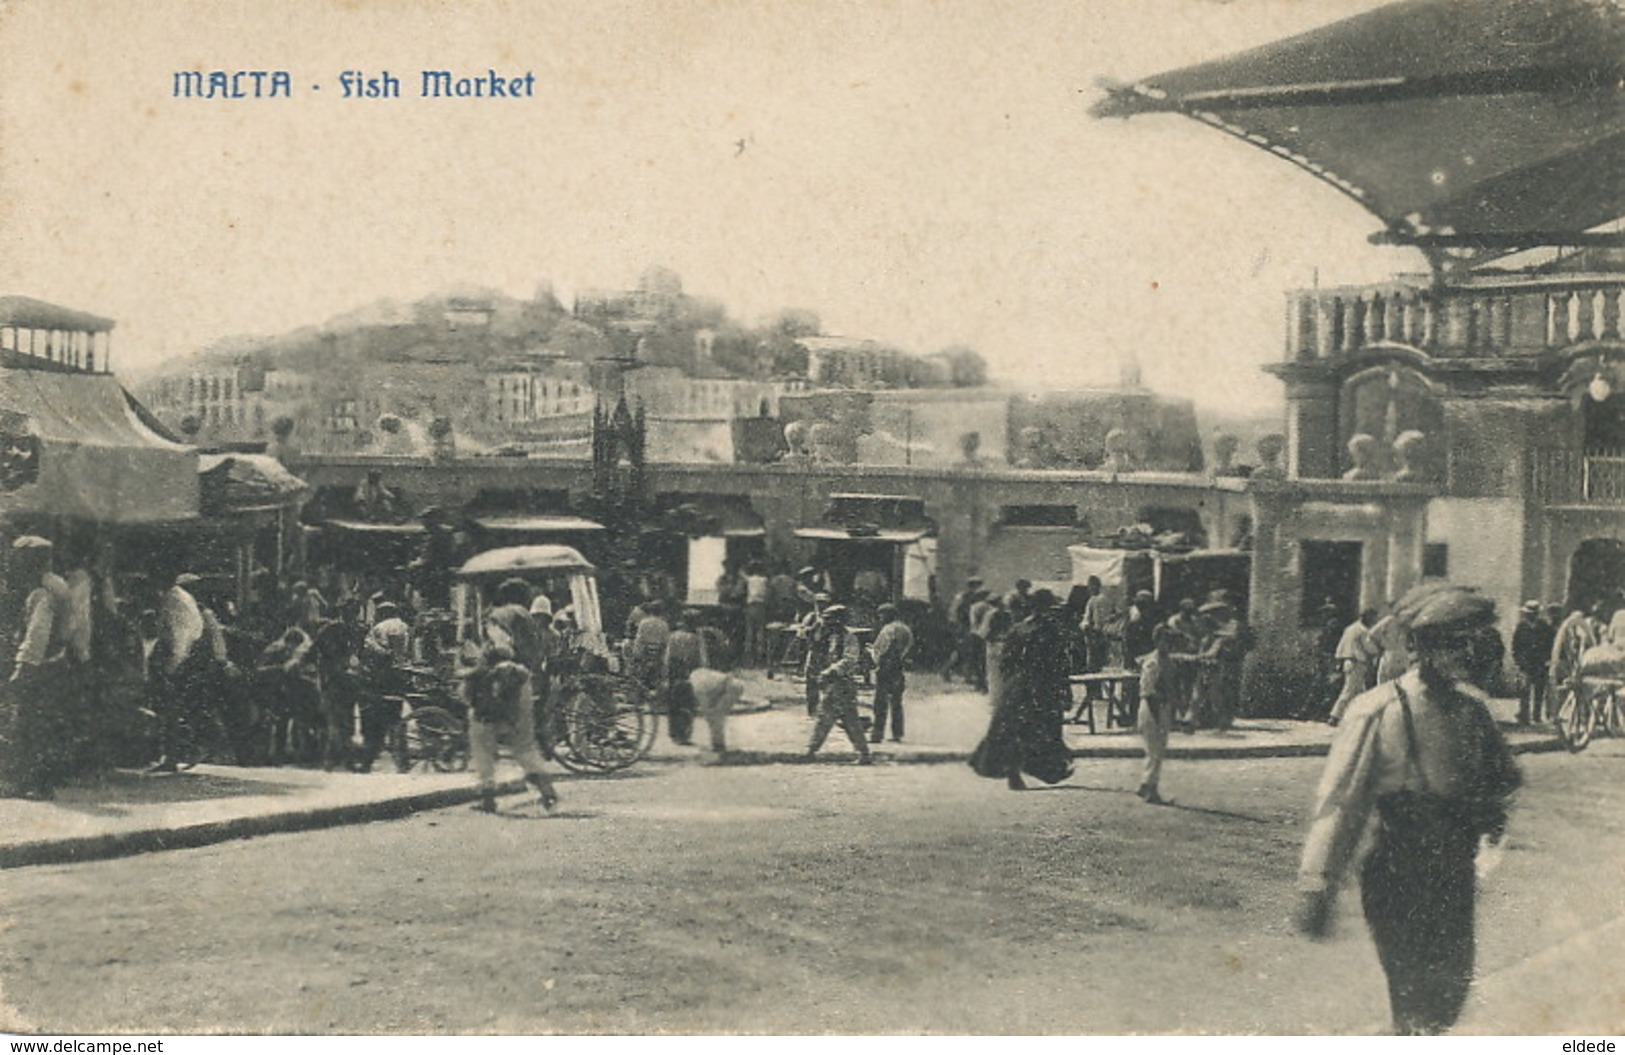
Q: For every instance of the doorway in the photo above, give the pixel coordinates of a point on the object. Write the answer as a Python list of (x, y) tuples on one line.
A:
[(1331, 575)]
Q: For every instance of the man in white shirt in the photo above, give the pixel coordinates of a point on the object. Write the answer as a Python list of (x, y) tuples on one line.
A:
[(890, 650), (756, 598), (1356, 652), (1424, 754)]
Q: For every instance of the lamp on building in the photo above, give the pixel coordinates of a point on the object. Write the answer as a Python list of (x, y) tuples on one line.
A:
[(1600, 388)]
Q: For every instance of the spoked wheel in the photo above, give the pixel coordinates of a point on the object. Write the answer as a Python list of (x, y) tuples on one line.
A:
[(431, 737), (608, 727), (1576, 720), (557, 745), (1616, 714)]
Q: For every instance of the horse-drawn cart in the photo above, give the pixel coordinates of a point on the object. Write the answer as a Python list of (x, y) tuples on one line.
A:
[(594, 719)]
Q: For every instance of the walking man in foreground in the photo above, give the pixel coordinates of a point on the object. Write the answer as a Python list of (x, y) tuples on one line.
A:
[(497, 691), (1425, 755)]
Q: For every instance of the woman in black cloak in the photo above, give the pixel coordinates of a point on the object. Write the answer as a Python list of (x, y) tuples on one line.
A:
[(1024, 734)]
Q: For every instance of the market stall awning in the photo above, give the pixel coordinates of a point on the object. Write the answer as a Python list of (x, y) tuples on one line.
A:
[(30, 314), (730, 516), (245, 483), (70, 445), (1471, 128), (872, 518), (365, 527), (892, 535)]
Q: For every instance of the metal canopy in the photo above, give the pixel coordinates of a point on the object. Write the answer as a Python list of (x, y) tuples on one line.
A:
[(1471, 128)]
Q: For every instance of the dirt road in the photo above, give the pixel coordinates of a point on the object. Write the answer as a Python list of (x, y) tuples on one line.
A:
[(805, 899)]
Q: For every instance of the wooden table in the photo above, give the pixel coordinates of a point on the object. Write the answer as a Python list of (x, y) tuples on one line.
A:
[(1120, 689)]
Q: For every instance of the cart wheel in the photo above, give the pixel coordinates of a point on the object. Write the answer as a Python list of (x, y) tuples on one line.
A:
[(1575, 720), (436, 738), (565, 751), (608, 725)]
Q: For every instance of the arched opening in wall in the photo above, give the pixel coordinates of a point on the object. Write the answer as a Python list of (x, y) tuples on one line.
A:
[(1385, 403), (1596, 571), (1604, 424)]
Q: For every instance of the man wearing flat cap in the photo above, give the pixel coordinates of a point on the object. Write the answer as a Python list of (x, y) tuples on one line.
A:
[(1424, 755), (836, 668)]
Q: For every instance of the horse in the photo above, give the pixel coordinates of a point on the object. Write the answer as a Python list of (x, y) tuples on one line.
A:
[(334, 646)]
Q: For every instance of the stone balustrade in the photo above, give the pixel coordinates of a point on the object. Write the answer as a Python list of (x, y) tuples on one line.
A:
[(1489, 317)]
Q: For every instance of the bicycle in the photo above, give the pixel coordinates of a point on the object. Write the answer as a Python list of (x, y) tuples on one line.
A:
[(1590, 705)]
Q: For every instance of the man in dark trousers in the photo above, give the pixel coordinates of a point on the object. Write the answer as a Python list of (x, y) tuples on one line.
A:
[(890, 650), (1422, 753), (1532, 642), (836, 668), (960, 626), (685, 653)]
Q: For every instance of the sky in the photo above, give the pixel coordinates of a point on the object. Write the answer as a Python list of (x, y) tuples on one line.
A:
[(923, 172)]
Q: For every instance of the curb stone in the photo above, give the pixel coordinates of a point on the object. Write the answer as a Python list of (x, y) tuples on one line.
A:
[(146, 840)]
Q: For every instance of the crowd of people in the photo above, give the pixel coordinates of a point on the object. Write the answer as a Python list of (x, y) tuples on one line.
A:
[(1417, 755), (1182, 667), (1547, 649), (162, 671)]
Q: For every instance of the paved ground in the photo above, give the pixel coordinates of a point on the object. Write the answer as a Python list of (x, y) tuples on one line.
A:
[(806, 899), (128, 812)]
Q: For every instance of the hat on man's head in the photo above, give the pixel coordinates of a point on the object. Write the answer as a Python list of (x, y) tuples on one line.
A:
[(974, 580), (1531, 607), (808, 570), (32, 542), (1144, 597), (1452, 611), (187, 578), (835, 613), (821, 597), (1042, 598), (1411, 601), (887, 611)]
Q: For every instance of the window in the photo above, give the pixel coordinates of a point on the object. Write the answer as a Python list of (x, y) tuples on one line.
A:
[(1038, 516), (1436, 560)]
